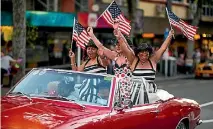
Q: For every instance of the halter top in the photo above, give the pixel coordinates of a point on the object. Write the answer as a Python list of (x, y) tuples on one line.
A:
[(147, 74), (123, 91), (96, 68)]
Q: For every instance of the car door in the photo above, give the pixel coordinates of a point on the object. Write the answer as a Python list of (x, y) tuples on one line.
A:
[(140, 116)]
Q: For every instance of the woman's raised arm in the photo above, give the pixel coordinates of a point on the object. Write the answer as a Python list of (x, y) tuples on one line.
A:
[(102, 58), (157, 56), (73, 64), (126, 49), (107, 52)]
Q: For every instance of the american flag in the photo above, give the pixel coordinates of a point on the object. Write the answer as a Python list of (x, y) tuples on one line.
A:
[(113, 12), (80, 35), (188, 30)]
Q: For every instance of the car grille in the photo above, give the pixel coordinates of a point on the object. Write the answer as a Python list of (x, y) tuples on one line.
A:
[(207, 68)]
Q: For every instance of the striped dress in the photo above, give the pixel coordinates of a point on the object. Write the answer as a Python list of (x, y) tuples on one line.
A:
[(148, 74), (88, 89), (96, 68)]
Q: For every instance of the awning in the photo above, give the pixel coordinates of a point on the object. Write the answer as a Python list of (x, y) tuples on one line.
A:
[(52, 19), (89, 19), (6, 19), (41, 18)]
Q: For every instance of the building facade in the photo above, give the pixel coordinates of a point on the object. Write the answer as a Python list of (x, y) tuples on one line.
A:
[(55, 32)]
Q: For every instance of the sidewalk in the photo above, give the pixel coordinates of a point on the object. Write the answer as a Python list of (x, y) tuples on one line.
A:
[(160, 77)]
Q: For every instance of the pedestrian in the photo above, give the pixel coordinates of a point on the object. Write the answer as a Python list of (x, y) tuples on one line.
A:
[(181, 64), (6, 60)]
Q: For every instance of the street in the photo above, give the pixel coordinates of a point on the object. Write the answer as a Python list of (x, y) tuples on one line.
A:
[(198, 90)]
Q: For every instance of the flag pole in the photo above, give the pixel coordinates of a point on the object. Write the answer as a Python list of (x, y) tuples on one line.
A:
[(169, 22), (104, 11), (72, 33)]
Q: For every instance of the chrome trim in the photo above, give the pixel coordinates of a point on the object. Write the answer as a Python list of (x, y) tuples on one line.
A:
[(199, 122), (71, 71)]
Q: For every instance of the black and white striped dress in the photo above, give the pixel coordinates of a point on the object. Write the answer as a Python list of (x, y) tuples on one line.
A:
[(147, 74), (96, 68), (88, 90)]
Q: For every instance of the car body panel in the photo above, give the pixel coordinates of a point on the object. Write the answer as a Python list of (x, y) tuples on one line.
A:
[(42, 113), (22, 112)]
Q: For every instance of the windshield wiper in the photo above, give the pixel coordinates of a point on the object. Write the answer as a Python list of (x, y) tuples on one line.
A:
[(63, 99), (57, 97), (21, 93)]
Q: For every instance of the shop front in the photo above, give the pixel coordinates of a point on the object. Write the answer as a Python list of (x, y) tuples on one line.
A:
[(48, 37)]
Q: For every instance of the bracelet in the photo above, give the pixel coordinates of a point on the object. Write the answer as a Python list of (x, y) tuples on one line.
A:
[(73, 64), (119, 37)]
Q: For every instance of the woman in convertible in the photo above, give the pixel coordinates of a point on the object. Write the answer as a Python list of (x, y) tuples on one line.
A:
[(94, 64), (143, 62), (121, 68)]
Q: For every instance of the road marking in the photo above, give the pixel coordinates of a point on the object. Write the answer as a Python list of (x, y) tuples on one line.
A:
[(207, 121), (206, 104)]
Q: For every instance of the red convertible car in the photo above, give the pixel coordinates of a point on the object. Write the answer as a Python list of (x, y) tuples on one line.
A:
[(62, 99)]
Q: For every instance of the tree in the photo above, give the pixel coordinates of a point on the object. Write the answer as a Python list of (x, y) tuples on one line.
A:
[(19, 35), (197, 4)]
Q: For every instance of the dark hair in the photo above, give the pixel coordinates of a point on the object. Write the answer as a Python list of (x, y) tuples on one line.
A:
[(115, 41), (91, 44), (143, 47)]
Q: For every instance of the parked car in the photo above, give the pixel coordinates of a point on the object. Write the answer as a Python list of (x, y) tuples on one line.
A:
[(64, 99), (205, 69)]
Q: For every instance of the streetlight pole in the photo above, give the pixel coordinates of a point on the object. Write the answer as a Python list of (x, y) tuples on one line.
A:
[(55, 5)]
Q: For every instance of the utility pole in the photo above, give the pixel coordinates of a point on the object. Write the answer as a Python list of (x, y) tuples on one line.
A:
[(195, 22), (19, 35), (132, 10), (55, 5)]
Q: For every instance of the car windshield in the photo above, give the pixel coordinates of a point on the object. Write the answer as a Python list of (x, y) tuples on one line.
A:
[(82, 88)]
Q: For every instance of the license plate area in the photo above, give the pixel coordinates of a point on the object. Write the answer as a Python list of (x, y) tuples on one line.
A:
[(205, 75)]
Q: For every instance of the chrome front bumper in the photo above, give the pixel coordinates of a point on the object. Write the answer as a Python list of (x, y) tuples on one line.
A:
[(199, 122)]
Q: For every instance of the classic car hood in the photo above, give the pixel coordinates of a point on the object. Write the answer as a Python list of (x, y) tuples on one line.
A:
[(19, 113)]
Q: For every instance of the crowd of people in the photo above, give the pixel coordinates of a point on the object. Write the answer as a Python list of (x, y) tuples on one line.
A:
[(188, 66)]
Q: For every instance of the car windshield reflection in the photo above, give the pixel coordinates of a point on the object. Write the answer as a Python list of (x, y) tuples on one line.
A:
[(82, 88)]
